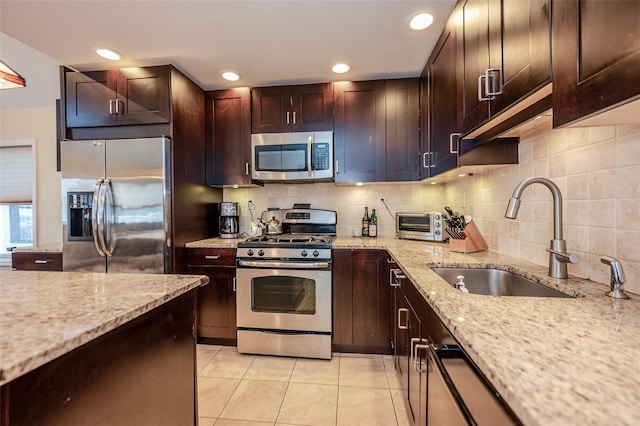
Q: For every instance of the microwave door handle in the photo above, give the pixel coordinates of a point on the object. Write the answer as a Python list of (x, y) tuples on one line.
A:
[(309, 147)]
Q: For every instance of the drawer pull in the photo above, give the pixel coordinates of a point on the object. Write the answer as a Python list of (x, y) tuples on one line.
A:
[(42, 261), (212, 257)]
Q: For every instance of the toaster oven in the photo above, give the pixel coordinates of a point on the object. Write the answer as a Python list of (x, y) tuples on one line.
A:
[(420, 226)]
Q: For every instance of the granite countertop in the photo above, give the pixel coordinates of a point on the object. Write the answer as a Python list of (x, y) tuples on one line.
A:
[(48, 314), (555, 361), (41, 248)]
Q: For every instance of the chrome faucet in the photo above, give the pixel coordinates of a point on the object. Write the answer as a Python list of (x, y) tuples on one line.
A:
[(617, 278), (558, 256)]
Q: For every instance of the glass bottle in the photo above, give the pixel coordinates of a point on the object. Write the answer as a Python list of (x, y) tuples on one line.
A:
[(373, 224), (365, 222)]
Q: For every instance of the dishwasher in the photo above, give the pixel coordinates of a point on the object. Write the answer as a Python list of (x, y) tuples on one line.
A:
[(457, 394)]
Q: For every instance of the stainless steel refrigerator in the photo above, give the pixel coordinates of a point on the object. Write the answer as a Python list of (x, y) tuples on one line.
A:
[(116, 201)]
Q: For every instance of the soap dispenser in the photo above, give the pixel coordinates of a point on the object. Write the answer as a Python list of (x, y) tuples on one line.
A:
[(460, 284)]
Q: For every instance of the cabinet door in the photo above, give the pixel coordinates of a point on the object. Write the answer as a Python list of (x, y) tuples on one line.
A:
[(371, 299), (342, 298), (359, 131), (144, 95), (312, 107), (475, 60), (87, 98), (444, 103), (596, 56), (271, 109), (402, 115), (216, 303), (228, 136), (520, 46)]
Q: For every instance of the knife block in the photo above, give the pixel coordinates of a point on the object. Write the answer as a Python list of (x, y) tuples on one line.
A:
[(473, 240)]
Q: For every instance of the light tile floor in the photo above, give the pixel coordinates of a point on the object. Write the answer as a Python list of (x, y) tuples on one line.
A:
[(253, 390)]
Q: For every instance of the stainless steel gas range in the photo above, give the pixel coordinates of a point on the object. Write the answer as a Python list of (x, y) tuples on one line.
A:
[(284, 287)]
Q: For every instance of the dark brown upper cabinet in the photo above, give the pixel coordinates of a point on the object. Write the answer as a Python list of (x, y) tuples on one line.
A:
[(506, 55), (359, 131), (402, 123), (127, 96), (596, 57), (304, 108), (440, 143), (228, 136)]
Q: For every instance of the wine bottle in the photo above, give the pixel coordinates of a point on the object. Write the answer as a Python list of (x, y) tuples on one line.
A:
[(373, 224), (365, 222)]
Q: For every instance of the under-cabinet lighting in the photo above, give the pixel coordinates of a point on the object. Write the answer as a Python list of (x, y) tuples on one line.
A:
[(230, 76), (110, 54), (9, 79), (359, 183), (434, 183), (462, 174), (421, 20), (340, 68)]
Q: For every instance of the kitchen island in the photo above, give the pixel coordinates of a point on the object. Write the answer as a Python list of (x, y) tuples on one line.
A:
[(101, 349), (555, 361)]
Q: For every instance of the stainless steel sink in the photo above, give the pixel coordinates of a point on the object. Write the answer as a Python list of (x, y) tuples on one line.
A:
[(495, 282)]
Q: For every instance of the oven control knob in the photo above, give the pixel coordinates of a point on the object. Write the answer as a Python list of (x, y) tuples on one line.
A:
[(304, 253), (316, 253), (260, 252), (249, 252)]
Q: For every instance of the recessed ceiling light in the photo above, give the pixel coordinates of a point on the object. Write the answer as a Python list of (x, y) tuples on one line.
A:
[(112, 55), (421, 20), (340, 68), (230, 76)]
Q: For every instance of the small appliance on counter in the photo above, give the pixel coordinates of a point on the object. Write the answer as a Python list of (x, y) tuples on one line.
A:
[(420, 226), (229, 214)]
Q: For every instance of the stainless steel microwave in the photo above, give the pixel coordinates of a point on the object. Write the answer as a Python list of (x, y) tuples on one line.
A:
[(420, 226), (287, 157)]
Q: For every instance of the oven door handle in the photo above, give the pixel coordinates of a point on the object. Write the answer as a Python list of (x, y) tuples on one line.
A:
[(283, 265)]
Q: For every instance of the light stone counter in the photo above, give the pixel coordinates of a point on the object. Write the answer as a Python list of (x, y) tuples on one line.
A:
[(41, 248), (44, 315), (572, 361), (215, 243)]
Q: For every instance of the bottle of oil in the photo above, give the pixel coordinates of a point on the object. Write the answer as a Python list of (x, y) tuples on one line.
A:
[(365, 222), (373, 224)]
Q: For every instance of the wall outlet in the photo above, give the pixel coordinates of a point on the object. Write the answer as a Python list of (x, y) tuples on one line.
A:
[(381, 200), (251, 205)]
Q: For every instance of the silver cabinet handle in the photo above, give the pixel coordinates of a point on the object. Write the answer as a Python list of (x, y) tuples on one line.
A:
[(420, 344), (294, 117), (118, 112), (489, 79), (42, 261), (234, 283), (406, 325), (481, 97), (111, 109), (288, 114), (391, 261), (451, 137), (337, 166), (394, 276), (246, 169), (424, 160), (212, 257), (309, 147)]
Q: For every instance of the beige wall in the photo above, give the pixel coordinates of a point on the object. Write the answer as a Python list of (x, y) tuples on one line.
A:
[(39, 124), (598, 172)]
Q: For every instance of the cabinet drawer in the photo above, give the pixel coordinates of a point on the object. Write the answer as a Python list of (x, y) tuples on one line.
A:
[(37, 261), (211, 257)]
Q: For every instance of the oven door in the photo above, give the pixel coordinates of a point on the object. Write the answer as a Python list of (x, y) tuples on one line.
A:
[(284, 299)]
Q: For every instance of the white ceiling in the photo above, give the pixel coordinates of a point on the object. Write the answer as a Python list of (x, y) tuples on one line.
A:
[(267, 42)]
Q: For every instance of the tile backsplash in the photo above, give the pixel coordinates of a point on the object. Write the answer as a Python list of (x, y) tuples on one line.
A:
[(596, 168)]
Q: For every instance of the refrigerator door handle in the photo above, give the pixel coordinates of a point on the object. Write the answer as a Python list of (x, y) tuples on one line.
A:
[(95, 216), (107, 204)]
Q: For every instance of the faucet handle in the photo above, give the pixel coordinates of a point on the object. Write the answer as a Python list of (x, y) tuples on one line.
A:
[(565, 257), (617, 278)]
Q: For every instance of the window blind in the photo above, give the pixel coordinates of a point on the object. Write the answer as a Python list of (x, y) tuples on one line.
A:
[(16, 170)]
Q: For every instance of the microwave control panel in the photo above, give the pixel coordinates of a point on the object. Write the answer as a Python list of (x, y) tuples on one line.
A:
[(320, 158)]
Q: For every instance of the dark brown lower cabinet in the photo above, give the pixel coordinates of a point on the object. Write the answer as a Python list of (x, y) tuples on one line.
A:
[(36, 261), (361, 301), (141, 373), (216, 317)]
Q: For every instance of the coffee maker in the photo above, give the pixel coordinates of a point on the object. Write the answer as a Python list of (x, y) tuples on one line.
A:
[(229, 220)]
